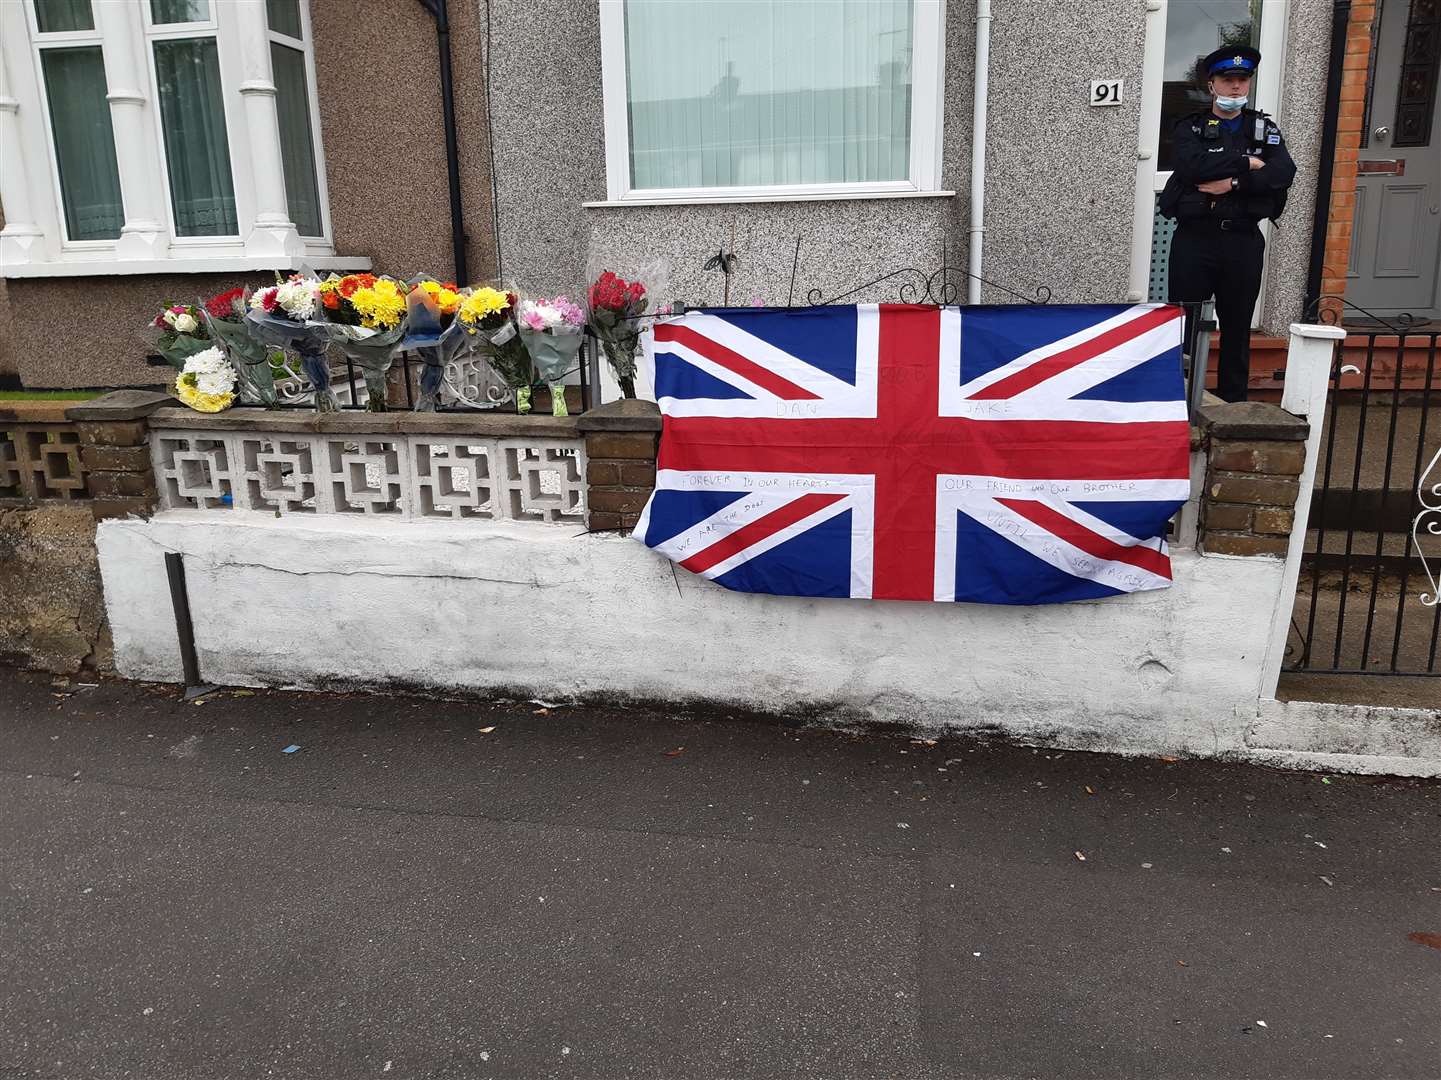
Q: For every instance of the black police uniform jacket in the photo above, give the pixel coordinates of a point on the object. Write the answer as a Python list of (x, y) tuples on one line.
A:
[(1204, 150)]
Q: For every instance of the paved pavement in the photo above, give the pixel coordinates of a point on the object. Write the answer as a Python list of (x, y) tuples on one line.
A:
[(450, 890)]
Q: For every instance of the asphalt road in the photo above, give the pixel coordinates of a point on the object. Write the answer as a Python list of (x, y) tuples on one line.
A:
[(579, 893)]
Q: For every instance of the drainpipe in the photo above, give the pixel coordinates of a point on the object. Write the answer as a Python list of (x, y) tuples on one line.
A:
[(978, 149), (1340, 20), (440, 12)]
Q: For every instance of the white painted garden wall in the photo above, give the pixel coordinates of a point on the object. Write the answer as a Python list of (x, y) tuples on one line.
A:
[(539, 610), (542, 608)]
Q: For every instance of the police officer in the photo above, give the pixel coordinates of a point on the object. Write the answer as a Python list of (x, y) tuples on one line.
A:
[(1231, 170)]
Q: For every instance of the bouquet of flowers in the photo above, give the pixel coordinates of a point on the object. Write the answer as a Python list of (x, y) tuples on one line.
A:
[(433, 331), (553, 331), (207, 381), (614, 305), (488, 314), (178, 333), (365, 317), (254, 363), (284, 315)]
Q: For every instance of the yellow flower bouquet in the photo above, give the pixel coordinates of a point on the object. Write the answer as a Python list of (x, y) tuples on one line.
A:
[(207, 382)]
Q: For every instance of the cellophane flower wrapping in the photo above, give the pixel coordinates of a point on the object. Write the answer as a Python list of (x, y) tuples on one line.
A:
[(178, 333), (435, 333), (488, 315), (617, 296), (285, 315), (252, 359), (365, 317), (553, 330), (206, 382)]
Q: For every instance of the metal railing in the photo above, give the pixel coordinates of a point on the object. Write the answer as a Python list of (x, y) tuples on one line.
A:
[(1368, 599), (486, 390)]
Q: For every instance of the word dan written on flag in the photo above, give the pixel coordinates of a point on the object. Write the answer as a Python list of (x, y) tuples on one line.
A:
[(1002, 455)]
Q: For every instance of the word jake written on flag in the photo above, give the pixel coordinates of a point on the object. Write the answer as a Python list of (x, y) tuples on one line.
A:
[(1001, 455)]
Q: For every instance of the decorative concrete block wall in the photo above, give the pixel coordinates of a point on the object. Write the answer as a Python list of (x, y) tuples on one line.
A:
[(63, 466)]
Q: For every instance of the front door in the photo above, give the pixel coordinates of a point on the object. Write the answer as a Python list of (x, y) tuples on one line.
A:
[(1397, 235)]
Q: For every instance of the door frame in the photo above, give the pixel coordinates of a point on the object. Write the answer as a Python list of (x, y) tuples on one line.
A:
[(1401, 9), (1275, 22)]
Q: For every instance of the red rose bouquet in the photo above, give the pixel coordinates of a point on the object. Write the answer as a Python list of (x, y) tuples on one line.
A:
[(254, 363), (615, 304)]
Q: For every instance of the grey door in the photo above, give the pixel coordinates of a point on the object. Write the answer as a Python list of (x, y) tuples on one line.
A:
[(1397, 235)]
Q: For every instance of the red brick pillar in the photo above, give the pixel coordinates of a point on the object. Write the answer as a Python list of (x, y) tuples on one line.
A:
[(1342, 209), (1255, 453), (620, 447), (115, 449)]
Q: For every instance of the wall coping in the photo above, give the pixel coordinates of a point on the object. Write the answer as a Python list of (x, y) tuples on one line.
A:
[(628, 414), (1320, 331), (484, 424), (119, 405), (1250, 420)]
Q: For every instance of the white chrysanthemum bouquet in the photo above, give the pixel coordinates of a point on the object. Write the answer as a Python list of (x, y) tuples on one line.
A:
[(286, 314), (207, 382)]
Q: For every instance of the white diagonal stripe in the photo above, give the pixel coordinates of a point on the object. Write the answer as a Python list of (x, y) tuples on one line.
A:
[(1060, 553), (1020, 363), (719, 371), (767, 491), (1116, 361), (763, 353), (837, 398), (775, 539)]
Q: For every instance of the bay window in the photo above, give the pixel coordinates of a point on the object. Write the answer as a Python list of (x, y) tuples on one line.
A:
[(718, 100), (159, 136)]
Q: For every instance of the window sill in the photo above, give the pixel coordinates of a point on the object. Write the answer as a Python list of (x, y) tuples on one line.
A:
[(723, 198), (218, 264)]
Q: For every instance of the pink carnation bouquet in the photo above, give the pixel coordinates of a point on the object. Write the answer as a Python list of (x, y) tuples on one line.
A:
[(553, 331)]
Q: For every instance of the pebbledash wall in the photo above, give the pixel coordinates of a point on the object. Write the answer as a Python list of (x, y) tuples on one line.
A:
[(487, 580), (1060, 175)]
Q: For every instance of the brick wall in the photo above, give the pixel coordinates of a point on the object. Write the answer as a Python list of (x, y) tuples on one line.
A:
[(115, 450), (1255, 453), (1348, 142), (620, 447)]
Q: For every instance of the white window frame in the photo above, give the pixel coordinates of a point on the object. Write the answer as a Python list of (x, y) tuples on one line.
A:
[(1150, 179), (65, 39), (55, 255), (306, 48), (928, 54), (234, 135)]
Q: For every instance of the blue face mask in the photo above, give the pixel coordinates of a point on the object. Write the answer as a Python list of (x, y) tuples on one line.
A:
[(1230, 104)]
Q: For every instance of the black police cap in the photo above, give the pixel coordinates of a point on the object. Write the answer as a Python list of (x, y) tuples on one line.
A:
[(1242, 59)]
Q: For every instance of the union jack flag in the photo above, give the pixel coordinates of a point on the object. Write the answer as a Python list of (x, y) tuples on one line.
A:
[(1007, 455)]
